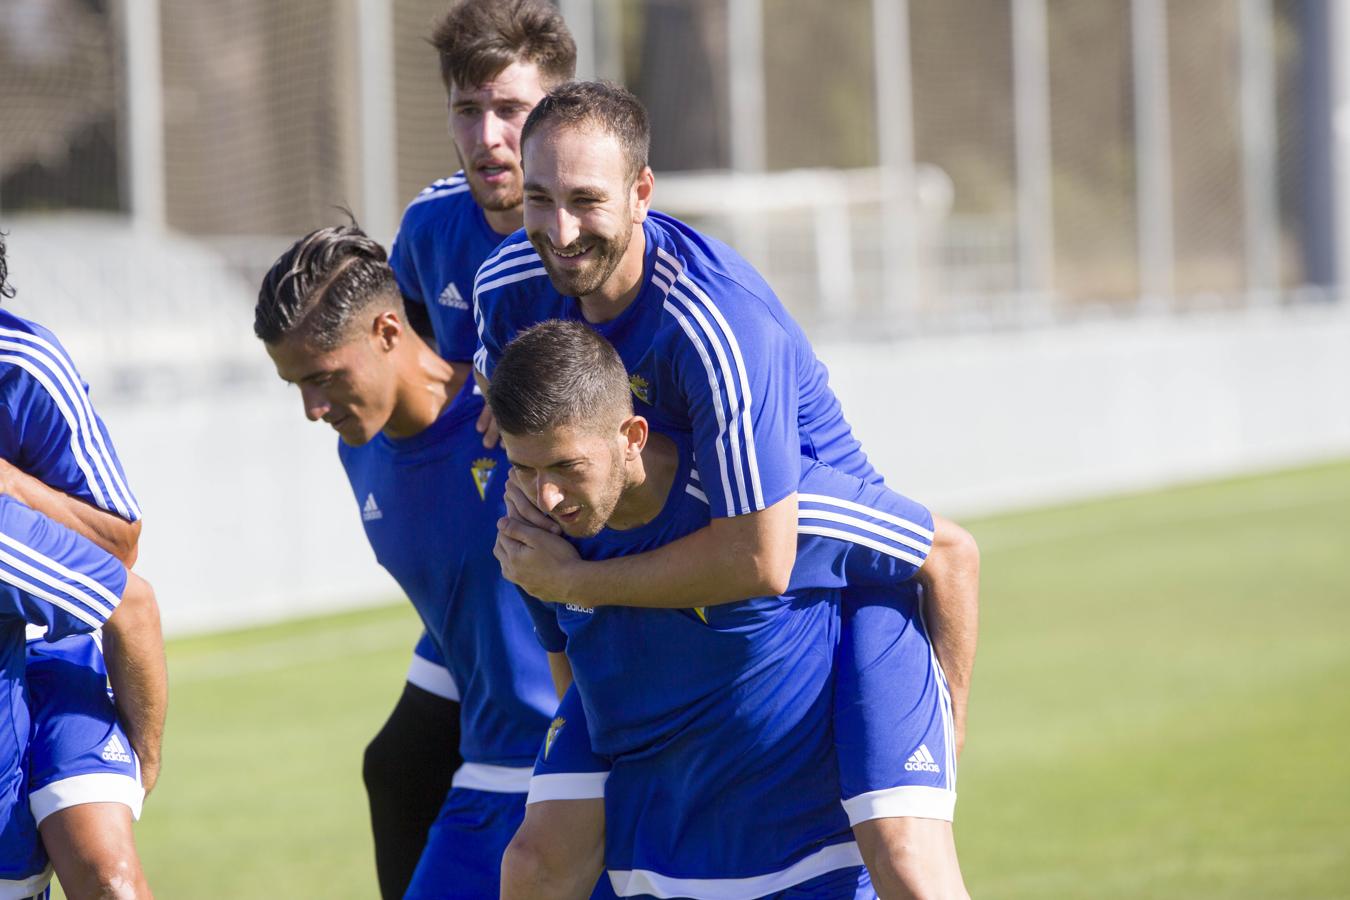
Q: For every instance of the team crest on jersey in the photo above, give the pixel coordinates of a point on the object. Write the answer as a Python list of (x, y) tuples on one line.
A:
[(482, 472), (553, 728), (641, 389)]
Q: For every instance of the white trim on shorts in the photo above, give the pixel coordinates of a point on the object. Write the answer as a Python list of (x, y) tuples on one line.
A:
[(828, 859), (33, 886), (95, 787), (567, 786), (496, 779), (432, 678), (919, 801)]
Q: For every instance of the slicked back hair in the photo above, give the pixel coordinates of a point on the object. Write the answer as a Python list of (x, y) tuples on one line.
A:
[(6, 289), (319, 286), (477, 39), (559, 373), (603, 105)]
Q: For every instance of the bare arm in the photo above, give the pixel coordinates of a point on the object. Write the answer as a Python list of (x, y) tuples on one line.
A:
[(730, 559), (108, 530), (951, 581), (561, 670), (133, 648)]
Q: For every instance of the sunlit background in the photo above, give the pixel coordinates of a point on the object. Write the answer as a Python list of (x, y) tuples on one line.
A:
[(1050, 249)]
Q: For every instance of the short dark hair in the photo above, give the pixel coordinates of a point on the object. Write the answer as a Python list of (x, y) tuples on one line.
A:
[(604, 104), (558, 373), (320, 284), (6, 289), (477, 39)]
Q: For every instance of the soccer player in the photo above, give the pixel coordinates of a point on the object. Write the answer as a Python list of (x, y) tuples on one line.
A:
[(715, 720), (710, 351), (84, 771), (331, 317), (497, 59)]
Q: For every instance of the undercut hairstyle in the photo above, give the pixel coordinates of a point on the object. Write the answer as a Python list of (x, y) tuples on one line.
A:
[(319, 287), (602, 105), (477, 39), (559, 373), (6, 289)]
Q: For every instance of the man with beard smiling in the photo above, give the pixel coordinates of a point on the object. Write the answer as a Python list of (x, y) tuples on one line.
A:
[(497, 59), (711, 352)]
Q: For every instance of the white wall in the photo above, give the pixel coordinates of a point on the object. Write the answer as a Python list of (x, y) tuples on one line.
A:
[(249, 518)]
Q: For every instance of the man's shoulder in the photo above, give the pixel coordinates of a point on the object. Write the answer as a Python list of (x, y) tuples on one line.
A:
[(513, 268), (697, 269), (444, 198), (29, 350)]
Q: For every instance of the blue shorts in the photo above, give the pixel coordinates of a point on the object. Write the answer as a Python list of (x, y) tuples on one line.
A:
[(463, 854), (893, 725), (78, 753)]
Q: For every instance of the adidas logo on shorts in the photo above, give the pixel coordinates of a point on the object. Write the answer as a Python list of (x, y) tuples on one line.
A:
[(921, 761), (113, 751)]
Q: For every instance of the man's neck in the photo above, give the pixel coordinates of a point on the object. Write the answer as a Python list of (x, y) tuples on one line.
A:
[(622, 286), (646, 495), (426, 385), (505, 221)]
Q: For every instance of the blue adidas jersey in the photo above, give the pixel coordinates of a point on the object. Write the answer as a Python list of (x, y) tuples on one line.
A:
[(49, 428), (430, 505), (693, 705), (709, 350), (443, 239), (53, 578)]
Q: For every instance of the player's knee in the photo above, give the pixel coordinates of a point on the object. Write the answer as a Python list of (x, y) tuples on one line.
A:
[(111, 878), (529, 864), (379, 764)]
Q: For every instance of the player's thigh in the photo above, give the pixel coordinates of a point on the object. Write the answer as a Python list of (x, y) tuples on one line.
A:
[(463, 854), (93, 851), (911, 857), (893, 724), (558, 851)]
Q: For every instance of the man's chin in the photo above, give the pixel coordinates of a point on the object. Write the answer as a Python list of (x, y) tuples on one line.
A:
[(492, 198)]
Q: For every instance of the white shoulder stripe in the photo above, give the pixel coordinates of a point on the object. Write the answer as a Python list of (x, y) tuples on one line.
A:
[(515, 262), (509, 279), (98, 590), (693, 491), (844, 519), (437, 194), (717, 404), (86, 440), (867, 511), (503, 252), (84, 405), (858, 539)]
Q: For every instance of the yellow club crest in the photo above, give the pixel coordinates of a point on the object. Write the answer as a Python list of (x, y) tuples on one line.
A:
[(482, 471), (702, 613), (640, 388), (554, 727)]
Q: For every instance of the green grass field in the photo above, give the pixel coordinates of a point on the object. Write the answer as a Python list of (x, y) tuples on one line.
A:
[(1161, 709)]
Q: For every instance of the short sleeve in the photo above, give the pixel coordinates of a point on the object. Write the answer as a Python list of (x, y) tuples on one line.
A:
[(50, 576), (566, 767), (551, 637), (856, 533), (405, 268), (737, 376), (60, 438)]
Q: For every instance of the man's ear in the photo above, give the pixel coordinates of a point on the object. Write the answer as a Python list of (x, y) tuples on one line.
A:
[(643, 186), (636, 430), (387, 329)]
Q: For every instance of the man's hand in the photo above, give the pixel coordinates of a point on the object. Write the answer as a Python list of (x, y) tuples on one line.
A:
[(487, 427), (536, 560), (521, 507), (951, 581)]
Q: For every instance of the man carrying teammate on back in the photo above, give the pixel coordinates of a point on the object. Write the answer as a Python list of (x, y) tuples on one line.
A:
[(66, 508), (711, 725), (497, 59), (710, 351)]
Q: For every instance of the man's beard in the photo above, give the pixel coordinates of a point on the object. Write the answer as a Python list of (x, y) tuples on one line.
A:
[(605, 257), (495, 199)]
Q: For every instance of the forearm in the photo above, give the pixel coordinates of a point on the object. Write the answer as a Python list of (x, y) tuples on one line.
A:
[(728, 560), (951, 581), (133, 648), (108, 530)]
